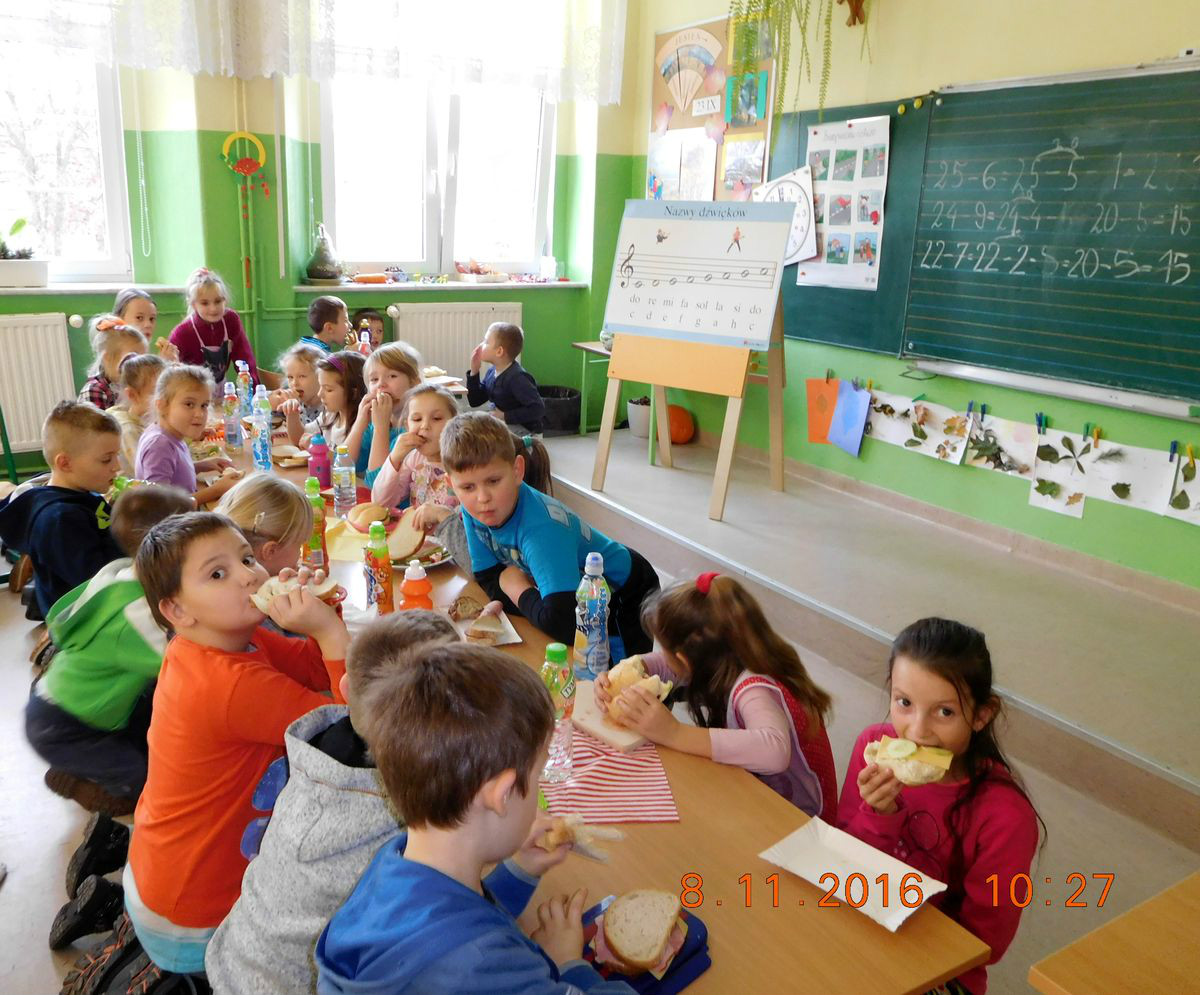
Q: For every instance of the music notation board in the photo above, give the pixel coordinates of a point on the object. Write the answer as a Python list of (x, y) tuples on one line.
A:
[(699, 271)]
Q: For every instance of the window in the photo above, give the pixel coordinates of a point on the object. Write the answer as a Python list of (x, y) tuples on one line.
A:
[(415, 180), (62, 163)]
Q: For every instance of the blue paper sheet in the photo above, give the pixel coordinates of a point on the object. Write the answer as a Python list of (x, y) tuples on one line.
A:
[(850, 417)]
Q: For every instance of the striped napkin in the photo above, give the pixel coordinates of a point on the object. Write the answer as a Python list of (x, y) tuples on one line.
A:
[(609, 786)]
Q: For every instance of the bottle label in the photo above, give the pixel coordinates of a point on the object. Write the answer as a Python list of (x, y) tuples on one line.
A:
[(379, 583)]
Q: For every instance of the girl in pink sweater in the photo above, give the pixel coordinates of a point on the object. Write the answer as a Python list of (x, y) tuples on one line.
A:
[(978, 821), (751, 698), (413, 474)]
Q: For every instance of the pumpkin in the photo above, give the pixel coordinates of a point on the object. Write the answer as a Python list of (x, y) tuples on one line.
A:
[(683, 426)]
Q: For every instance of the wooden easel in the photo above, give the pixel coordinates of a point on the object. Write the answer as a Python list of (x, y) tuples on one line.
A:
[(710, 369)]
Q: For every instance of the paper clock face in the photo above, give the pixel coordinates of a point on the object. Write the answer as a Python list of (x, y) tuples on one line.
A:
[(790, 192)]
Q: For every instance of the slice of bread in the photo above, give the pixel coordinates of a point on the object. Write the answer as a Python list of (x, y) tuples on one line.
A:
[(273, 587), (486, 629), (637, 926), (465, 607), (405, 540)]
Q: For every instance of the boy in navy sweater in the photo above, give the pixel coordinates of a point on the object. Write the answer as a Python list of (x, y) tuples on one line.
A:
[(64, 525), (459, 734), (528, 550), (507, 385)]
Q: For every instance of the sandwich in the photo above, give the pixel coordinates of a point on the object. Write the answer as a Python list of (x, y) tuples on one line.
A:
[(486, 630), (361, 516), (285, 454), (465, 608), (631, 672), (639, 932), (327, 590), (571, 829), (405, 540), (912, 764)]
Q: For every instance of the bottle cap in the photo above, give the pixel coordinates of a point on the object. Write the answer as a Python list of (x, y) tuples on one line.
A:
[(316, 440), (343, 449), (312, 487), (414, 571), (229, 387), (378, 533), (260, 390), (594, 565), (556, 653)]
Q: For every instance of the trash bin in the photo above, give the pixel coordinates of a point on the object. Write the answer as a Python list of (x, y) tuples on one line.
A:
[(562, 410)]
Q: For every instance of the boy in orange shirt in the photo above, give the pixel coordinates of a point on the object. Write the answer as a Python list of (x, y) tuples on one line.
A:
[(227, 691)]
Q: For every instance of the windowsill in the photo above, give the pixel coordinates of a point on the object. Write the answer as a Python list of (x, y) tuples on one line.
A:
[(453, 285), (79, 289)]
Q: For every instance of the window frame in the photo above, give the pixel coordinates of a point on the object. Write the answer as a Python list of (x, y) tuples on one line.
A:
[(118, 266), (442, 187)]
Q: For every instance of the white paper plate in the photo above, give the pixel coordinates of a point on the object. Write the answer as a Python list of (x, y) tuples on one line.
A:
[(507, 638)]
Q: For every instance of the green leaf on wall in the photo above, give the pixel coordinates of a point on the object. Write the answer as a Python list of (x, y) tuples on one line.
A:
[(912, 443), (1188, 472), (1121, 491), (919, 432), (1048, 488), (1180, 501), (1047, 453), (1111, 456)]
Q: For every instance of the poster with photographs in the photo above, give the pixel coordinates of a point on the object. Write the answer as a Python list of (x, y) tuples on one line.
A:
[(848, 160)]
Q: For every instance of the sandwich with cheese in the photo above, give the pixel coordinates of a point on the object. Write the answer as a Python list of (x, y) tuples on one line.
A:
[(912, 764), (631, 672)]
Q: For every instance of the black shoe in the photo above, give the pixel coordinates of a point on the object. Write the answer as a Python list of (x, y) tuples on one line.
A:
[(94, 909), (104, 848), (95, 969)]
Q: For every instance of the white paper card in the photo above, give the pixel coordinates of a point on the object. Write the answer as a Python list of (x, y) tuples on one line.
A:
[(818, 850)]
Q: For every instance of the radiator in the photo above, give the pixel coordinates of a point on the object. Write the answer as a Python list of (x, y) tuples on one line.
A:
[(35, 374), (445, 334)]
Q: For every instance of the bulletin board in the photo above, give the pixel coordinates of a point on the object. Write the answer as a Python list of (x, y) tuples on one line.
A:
[(710, 134)]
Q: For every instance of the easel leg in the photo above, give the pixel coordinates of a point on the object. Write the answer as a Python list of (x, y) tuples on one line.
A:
[(775, 414), (604, 444), (662, 426), (733, 414)]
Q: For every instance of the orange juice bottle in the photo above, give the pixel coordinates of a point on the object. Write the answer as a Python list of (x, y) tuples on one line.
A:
[(416, 588), (378, 568)]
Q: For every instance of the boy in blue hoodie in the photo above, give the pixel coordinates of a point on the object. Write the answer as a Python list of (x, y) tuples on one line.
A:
[(460, 735), (64, 525)]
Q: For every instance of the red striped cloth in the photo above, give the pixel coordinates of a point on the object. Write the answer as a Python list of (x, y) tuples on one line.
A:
[(609, 786)]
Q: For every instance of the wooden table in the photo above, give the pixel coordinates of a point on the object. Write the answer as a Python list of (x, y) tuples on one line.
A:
[(1152, 948), (727, 816), (593, 353)]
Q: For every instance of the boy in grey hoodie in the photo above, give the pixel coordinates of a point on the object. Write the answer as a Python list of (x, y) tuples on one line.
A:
[(331, 814)]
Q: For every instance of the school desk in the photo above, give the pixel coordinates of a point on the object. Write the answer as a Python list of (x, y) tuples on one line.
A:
[(594, 354), (727, 816), (1150, 949)]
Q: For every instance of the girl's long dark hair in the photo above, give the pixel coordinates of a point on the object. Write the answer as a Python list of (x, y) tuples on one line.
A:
[(351, 375), (537, 463), (720, 634), (959, 654)]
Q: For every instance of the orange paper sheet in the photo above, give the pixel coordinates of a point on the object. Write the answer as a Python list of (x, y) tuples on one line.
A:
[(822, 400)]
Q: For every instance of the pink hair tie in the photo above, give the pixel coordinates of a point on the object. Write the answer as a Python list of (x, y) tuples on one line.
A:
[(704, 582), (336, 363)]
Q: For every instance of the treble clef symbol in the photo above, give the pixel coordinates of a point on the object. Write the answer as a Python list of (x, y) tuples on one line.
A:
[(626, 268)]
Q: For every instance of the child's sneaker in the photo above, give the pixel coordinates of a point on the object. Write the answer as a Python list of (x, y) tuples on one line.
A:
[(94, 909), (88, 794), (96, 967), (104, 847)]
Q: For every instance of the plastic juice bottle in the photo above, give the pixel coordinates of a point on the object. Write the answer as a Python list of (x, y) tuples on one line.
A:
[(591, 620), (378, 567), (415, 588), (231, 410), (345, 492), (245, 387), (316, 553), (364, 340), (318, 461), (560, 682), (261, 420)]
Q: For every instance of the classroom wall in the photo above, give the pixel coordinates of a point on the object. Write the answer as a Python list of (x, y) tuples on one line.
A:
[(916, 46)]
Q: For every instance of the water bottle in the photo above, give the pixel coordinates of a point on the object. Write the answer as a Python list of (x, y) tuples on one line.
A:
[(319, 465), (231, 409), (560, 682), (260, 419), (591, 620), (345, 490), (316, 552), (244, 388)]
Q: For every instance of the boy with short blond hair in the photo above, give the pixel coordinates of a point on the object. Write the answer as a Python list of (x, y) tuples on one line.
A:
[(329, 324), (227, 691), (507, 385), (528, 550), (64, 525), (328, 822), (460, 734)]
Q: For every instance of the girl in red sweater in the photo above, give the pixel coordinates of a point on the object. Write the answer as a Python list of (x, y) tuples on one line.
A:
[(978, 820)]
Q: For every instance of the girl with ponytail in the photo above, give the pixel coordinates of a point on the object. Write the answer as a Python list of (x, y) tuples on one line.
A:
[(976, 828), (753, 702)]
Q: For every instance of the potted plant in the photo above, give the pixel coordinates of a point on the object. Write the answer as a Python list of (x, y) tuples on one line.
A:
[(638, 412), (18, 268)]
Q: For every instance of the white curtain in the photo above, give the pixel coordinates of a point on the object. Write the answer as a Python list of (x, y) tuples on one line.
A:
[(568, 49)]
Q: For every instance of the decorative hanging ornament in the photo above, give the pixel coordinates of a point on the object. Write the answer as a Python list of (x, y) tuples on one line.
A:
[(248, 165)]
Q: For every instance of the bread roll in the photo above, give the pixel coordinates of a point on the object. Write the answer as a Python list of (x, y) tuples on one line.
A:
[(909, 762)]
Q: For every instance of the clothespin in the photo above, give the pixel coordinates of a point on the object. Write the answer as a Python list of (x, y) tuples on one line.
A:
[(828, 374), (1096, 437), (1174, 450), (970, 406), (982, 411), (1191, 455), (919, 397), (870, 383), (1087, 429), (854, 383)]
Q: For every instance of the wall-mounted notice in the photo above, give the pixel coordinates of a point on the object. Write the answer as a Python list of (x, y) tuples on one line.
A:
[(702, 272), (849, 161)]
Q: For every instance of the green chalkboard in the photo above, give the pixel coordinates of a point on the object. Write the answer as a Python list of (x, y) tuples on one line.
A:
[(1059, 232), (862, 319)]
